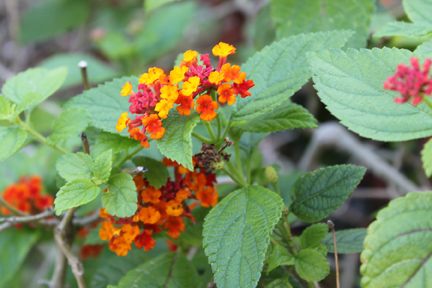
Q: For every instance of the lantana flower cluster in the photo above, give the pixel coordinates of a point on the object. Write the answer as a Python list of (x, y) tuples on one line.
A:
[(26, 196), (160, 209), (186, 87), (411, 82)]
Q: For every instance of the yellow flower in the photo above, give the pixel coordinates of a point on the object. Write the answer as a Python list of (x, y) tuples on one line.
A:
[(153, 74), (223, 49), (126, 90), (190, 56), (216, 77), (122, 122), (163, 108), (177, 74), (190, 86), (169, 92)]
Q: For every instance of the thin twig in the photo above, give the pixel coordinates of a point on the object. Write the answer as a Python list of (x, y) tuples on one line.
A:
[(331, 226), (86, 220), (25, 219), (83, 66), (85, 143), (4, 226)]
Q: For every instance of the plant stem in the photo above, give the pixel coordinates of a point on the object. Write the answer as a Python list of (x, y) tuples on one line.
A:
[(236, 172), (201, 138), (332, 228), (233, 177), (210, 131), (128, 156), (274, 241), (238, 159), (291, 244)]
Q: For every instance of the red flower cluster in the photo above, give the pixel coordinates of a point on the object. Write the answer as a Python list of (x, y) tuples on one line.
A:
[(159, 209), (26, 196), (158, 92), (411, 82)]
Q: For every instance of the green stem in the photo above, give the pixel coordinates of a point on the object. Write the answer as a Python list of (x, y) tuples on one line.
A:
[(233, 177), (274, 241), (210, 131), (291, 244), (201, 138), (38, 136), (238, 159), (128, 156), (310, 285), (236, 172), (427, 101), (219, 131)]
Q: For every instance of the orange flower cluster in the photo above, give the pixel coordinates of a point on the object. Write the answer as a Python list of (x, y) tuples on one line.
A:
[(26, 196), (159, 92), (159, 209)]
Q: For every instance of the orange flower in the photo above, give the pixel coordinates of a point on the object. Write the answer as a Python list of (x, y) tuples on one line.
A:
[(177, 74), (154, 126), (120, 246), (174, 226), (186, 104), (163, 108), (108, 231), (129, 232), (149, 215), (43, 202), (182, 195), (103, 213), (190, 57), (223, 49), (216, 77), (190, 86), (206, 107), (174, 208), (233, 73), (137, 134), (169, 163), (126, 90), (195, 181), (151, 195), (243, 88), (145, 240), (207, 196), (122, 122), (153, 74), (182, 170), (226, 94), (139, 182)]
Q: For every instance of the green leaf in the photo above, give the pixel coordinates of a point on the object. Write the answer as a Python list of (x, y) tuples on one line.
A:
[(398, 28), (397, 249), (278, 283), (280, 70), (279, 257), (236, 235), (157, 174), (418, 10), (319, 193), (121, 198), (38, 80), (311, 265), (426, 156), (150, 5), (176, 143), (169, 270), (109, 141), (11, 140), (104, 103), (97, 70), (28, 102), (313, 235), (354, 93), (15, 243), (5, 108), (116, 46), (71, 121), (47, 19), (75, 166), (102, 167), (287, 116), (424, 49), (347, 241), (296, 17), (75, 193)]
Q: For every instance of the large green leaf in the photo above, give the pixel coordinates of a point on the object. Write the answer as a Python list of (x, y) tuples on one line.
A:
[(28, 102), (47, 19), (114, 142), (169, 270), (295, 17), (320, 193), (351, 85), (279, 256), (5, 108), (424, 49), (102, 167), (312, 236), (287, 116), (75, 193), (121, 198), (398, 247), (11, 139), (347, 241), (176, 143), (38, 80), (97, 70), (418, 10), (104, 103), (157, 174), (71, 121), (75, 166), (311, 265), (236, 235), (15, 244), (398, 28), (280, 70), (426, 156)]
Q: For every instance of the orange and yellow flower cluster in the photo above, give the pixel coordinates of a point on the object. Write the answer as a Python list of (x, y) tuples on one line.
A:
[(187, 85), (26, 196), (160, 209)]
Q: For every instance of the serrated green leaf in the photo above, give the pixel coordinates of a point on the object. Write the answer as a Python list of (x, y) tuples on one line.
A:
[(11, 140), (424, 49), (75, 193), (280, 256), (150, 5), (418, 10), (38, 80), (311, 265), (320, 193), (102, 167), (157, 174), (313, 235), (398, 28), (287, 116), (114, 142), (15, 243), (71, 121), (351, 85), (296, 17), (97, 70), (426, 156), (176, 143), (5, 108), (347, 241), (27, 103), (236, 235), (47, 19), (397, 249), (121, 198), (75, 166), (169, 270), (279, 70), (104, 103), (278, 283)]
